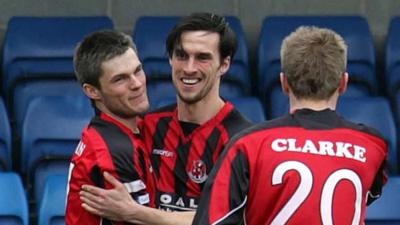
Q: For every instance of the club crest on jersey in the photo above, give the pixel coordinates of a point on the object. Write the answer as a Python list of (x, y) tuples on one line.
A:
[(198, 171)]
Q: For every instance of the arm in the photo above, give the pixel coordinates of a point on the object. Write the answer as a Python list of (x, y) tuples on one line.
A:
[(116, 204)]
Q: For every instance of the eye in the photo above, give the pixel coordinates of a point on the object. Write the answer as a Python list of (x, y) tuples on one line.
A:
[(204, 57), (180, 54)]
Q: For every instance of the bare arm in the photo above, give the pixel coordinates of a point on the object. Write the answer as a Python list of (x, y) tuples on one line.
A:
[(116, 204)]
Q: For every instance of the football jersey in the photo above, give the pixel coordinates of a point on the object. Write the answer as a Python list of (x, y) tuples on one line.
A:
[(182, 161), (310, 167), (108, 145)]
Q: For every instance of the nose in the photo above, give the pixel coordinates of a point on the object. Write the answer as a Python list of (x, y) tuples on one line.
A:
[(190, 66), (135, 82)]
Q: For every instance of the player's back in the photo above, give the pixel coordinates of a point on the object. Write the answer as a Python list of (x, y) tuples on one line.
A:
[(310, 168)]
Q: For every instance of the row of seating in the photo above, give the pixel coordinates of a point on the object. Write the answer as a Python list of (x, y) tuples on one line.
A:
[(51, 210), (47, 109), (37, 51)]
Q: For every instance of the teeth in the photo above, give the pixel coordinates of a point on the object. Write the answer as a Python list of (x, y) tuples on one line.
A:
[(189, 81)]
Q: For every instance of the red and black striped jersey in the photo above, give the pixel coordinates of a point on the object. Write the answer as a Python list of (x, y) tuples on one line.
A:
[(108, 145), (182, 161), (310, 167)]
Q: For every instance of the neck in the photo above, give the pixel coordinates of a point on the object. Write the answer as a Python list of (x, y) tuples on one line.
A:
[(316, 105), (129, 122), (199, 112)]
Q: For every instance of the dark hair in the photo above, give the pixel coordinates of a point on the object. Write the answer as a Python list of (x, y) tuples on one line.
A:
[(207, 22), (97, 48)]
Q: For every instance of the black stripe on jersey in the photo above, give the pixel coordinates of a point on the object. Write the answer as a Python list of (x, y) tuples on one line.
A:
[(142, 163), (120, 147), (207, 157), (239, 184), (181, 175), (235, 122), (158, 142), (97, 178)]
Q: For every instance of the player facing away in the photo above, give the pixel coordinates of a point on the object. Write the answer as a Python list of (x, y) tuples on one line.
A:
[(111, 75), (309, 167)]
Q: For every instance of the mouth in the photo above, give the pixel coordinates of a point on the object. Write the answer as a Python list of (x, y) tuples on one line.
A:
[(190, 81)]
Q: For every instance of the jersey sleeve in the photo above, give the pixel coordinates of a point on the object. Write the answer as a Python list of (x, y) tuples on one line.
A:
[(225, 194), (82, 162)]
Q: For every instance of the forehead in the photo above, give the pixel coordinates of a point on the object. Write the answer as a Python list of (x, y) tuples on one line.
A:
[(200, 41), (124, 63)]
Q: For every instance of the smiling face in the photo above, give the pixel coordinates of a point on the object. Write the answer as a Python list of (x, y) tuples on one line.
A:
[(197, 67), (122, 91)]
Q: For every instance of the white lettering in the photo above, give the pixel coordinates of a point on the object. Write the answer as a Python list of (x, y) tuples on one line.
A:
[(337, 149)]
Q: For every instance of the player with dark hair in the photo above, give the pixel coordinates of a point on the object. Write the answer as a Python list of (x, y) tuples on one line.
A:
[(309, 167), (111, 75)]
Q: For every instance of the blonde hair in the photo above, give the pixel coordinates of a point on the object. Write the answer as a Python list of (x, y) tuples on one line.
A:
[(313, 60)]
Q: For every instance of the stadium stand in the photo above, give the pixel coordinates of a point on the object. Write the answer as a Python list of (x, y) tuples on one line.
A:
[(354, 30), (52, 205), (13, 204), (37, 58), (386, 209), (5, 139), (50, 135)]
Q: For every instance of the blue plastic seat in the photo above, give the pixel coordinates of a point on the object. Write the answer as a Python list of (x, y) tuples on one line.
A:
[(250, 107), (37, 58), (354, 30), (386, 209), (150, 34), (374, 112), (52, 205), (50, 134), (392, 57), (13, 202), (5, 139)]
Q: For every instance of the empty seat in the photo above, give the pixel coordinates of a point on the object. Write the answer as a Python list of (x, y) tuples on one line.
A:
[(392, 57), (150, 34), (386, 209), (374, 112), (250, 107), (354, 30), (52, 205), (13, 202), (5, 139), (37, 58), (50, 133)]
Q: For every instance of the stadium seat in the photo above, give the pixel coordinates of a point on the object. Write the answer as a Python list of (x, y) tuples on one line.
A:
[(250, 107), (386, 209), (374, 112), (392, 57), (354, 30), (150, 33), (37, 58), (5, 139), (52, 205), (50, 133), (13, 202)]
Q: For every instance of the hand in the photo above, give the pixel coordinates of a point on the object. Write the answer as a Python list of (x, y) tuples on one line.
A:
[(114, 204)]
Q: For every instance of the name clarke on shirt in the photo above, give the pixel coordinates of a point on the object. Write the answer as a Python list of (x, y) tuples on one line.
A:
[(338, 149)]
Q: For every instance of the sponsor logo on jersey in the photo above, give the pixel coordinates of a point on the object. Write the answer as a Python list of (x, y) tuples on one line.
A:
[(163, 152), (171, 202), (80, 148), (198, 171)]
